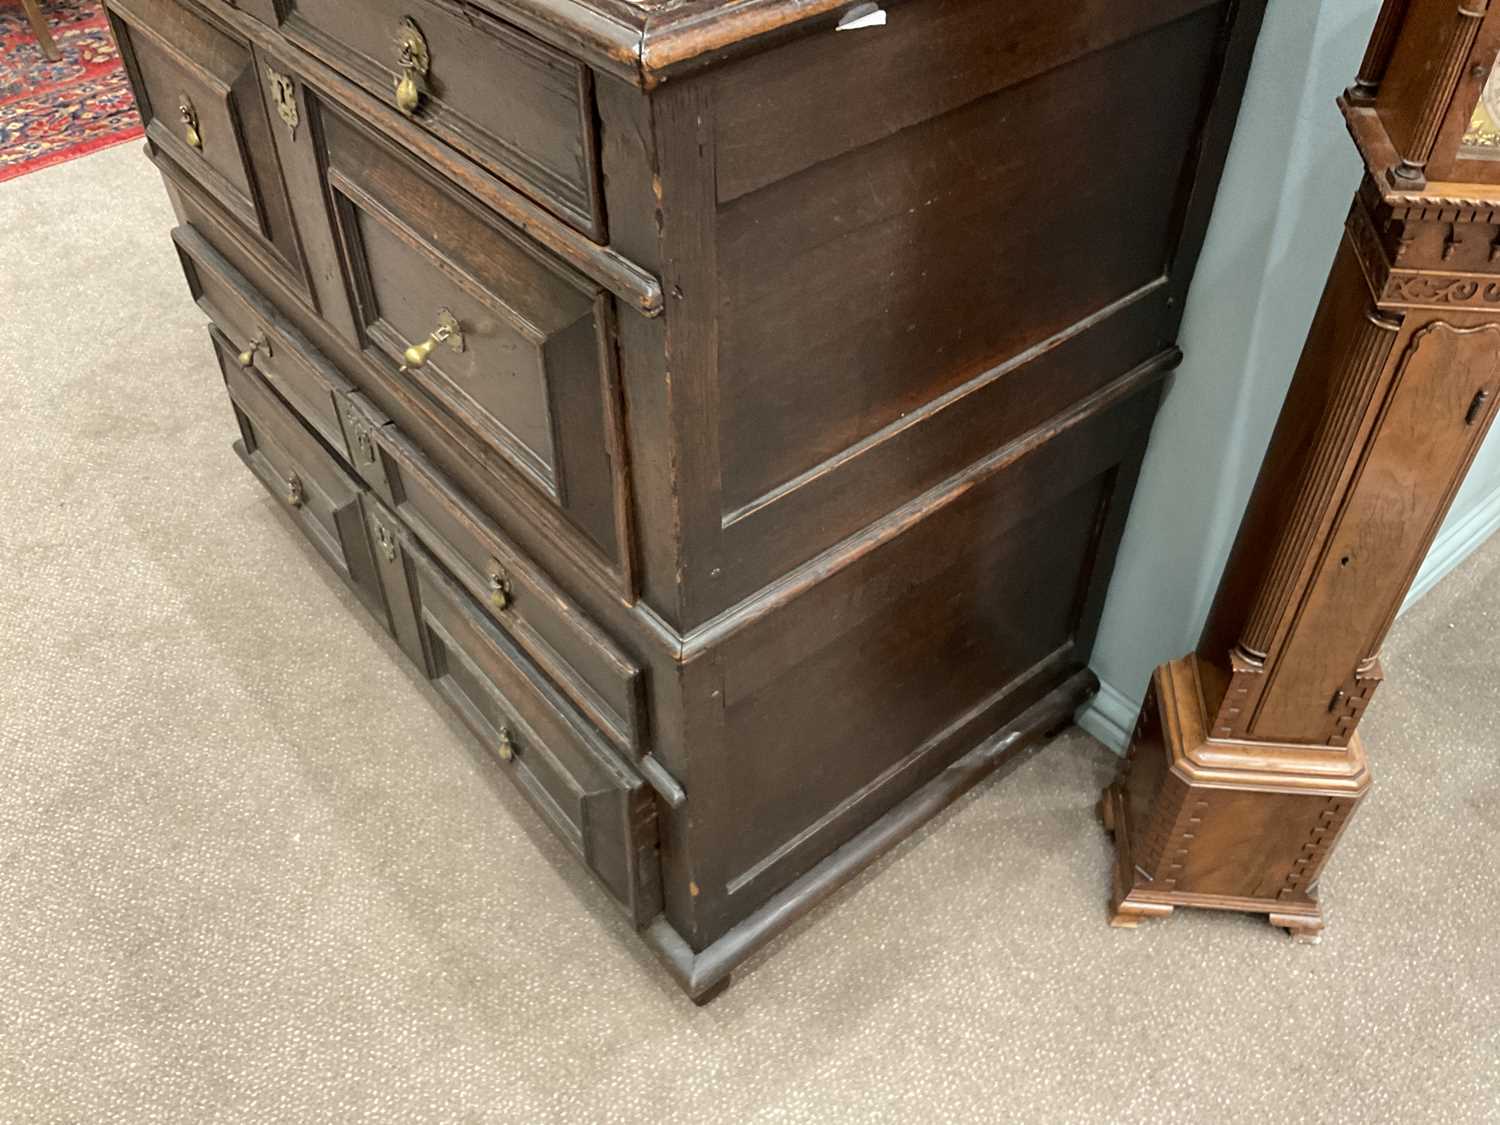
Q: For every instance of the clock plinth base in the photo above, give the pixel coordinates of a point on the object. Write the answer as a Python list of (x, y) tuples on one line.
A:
[(1223, 825)]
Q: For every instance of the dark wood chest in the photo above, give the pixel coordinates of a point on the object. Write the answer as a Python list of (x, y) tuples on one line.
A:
[(734, 413)]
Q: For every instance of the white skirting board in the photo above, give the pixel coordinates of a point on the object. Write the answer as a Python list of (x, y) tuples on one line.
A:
[(1110, 715)]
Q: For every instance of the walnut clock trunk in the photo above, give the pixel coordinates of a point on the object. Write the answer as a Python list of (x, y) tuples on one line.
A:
[(1246, 763), (733, 407)]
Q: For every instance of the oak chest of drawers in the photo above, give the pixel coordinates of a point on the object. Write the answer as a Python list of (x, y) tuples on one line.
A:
[(732, 407)]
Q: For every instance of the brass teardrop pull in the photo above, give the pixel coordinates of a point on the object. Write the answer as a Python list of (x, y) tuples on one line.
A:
[(414, 61), (447, 331), (246, 358), (507, 745), (296, 496), (189, 117)]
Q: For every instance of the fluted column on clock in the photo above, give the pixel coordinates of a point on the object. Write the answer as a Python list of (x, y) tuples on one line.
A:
[(1432, 104), (1378, 54)]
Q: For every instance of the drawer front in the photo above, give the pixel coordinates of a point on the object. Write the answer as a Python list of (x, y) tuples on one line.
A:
[(322, 499), (518, 108), (257, 332), (511, 346), (586, 792), (199, 91), (605, 683)]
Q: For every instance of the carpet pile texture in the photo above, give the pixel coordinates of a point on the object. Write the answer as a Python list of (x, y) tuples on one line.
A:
[(250, 871), (55, 111)]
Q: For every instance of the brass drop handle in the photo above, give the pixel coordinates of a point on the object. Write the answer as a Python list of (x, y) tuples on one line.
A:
[(499, 585), (414, 61), (189, 117), (295, 495), (507, 746), (246, 358), (447, 331), (408, 93)]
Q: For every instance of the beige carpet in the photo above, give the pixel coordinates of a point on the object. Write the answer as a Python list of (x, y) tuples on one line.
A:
[(249, 871)]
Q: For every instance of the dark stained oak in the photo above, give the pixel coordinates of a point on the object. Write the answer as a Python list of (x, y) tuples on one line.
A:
[(734, 417), (518, 107), (535, 377)]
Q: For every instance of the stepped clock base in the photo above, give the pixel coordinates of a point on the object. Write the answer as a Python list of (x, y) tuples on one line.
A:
[(1223, 825)]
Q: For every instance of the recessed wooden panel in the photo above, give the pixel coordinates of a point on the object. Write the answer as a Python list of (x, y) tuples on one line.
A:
[(787, 110), (916, 452), (534, 378), (1027, 212), (520, 108), (499, 375), (941, 628), (199, 92)]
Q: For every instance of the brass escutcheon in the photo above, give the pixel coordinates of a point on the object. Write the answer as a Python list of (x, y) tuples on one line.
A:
[(387, 543), (284, 98)]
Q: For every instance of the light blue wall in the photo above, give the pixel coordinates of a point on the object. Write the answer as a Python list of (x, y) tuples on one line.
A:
[(1291, 172)]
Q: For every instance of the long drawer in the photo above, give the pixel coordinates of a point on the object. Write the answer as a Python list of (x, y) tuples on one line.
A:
[(512, 104), (322, 499), (603, 680), (590, 796)]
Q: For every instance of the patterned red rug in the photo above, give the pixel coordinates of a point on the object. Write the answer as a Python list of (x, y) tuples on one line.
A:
[(51, 112)]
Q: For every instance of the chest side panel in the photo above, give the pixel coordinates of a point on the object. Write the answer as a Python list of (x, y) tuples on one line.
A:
[(906, 296)]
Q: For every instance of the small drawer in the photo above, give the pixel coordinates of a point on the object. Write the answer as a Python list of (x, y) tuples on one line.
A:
[(199, 92), (590, 796), (512, 348), (322, 499), (605, 683), (259, 334), (520, 109)]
